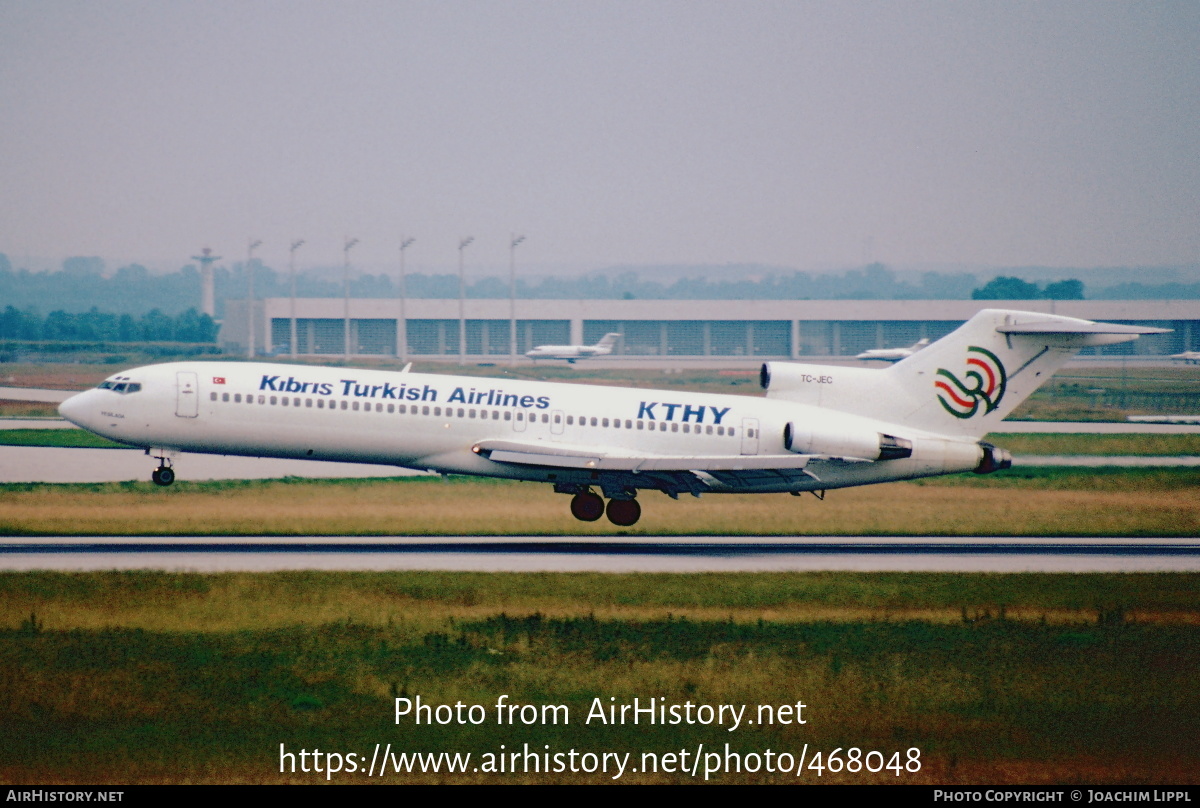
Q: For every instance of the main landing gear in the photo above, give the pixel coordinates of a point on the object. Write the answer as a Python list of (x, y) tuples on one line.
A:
[(587, 506)]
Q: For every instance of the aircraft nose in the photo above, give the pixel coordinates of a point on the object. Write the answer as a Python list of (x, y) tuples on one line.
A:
[(74, 409)]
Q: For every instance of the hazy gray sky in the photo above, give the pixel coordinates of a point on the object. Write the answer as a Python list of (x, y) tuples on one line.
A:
[(654, 131)]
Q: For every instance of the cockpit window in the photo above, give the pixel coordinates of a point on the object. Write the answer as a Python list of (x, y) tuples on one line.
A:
[(124, 388)]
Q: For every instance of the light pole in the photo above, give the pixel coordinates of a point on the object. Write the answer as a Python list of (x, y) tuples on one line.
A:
[(292, 272), (350, 242), (254, 243), (512, 298), (462, 296), (402, 323)]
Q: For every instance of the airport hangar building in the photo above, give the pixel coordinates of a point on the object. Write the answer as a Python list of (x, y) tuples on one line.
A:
[(684, 329)]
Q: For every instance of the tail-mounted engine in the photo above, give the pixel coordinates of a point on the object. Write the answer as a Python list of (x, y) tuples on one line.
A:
[(993, 459), (866, 445)]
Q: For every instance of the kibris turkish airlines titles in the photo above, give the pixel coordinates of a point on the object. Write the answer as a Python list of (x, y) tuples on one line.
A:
[(402, 392)]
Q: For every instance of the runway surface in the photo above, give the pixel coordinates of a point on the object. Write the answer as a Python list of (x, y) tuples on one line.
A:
[(52, 464), (603, 554)]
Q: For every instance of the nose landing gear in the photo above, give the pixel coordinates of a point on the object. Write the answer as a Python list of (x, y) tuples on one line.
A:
[(164, 474)]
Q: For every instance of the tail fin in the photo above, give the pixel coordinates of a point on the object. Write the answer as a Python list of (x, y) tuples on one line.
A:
[(608, 341), (966, 382)]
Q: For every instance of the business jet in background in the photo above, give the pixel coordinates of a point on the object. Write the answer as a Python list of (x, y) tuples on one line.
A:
[(1187, 357), (572, 352), (819, 427), (893, 354)]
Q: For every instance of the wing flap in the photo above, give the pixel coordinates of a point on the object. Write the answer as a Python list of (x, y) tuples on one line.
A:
[(592, 458)]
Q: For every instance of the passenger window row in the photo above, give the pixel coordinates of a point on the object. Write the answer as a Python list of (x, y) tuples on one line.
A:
[(367, 406), (661, 426), (471, 412)]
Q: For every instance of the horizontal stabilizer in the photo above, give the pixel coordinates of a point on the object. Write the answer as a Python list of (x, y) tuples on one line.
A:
[(1080, 333), (1080, 327), (965, 383)]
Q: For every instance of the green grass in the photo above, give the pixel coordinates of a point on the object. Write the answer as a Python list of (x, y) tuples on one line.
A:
[(69, 438), (1153, 445), (126, 677), (1073, 478), (1113, 393)]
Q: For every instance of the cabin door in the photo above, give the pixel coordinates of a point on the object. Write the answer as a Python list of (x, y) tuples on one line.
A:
[(187, 394), (749, 436)]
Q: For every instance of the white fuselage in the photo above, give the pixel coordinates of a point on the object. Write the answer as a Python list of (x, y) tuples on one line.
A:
[(437, 422), (567, 351)]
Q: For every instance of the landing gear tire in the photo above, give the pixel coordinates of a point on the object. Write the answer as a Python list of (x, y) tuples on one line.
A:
[(163, 475), (587, 507), (624, 512)]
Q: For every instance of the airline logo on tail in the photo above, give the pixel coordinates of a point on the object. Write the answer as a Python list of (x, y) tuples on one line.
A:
[(985, 384)]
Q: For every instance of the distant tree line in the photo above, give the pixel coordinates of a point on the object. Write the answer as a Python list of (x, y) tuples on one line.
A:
[(1008, 288), (98, 326), (83, 284)]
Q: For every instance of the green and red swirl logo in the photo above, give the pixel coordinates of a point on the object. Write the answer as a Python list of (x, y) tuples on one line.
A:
[(982, 384)]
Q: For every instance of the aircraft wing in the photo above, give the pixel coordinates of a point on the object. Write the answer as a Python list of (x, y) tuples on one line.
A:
[(682, 472), (562, 455)]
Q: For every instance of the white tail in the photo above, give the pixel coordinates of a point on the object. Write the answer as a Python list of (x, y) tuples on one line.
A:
[(963, 384), (608, 341)]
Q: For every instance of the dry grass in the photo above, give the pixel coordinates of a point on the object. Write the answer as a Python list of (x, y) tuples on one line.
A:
[(468, 507), (27, 409)]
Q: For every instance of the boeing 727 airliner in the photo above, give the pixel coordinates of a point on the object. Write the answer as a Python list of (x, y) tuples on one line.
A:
[(819, 427)]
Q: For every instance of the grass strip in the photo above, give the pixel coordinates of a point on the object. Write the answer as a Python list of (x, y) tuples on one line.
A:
[(1028, 502), (1122, 445), (62, 438), (128, 677)]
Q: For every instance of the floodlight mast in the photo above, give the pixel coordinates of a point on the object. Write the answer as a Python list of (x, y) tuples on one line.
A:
[(462, 296), (347, 245), (297, 244), (512, 298), (402, 323), (253, 245)]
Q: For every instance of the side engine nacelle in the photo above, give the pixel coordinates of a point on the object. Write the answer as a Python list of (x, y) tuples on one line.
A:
[(864, 444)]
